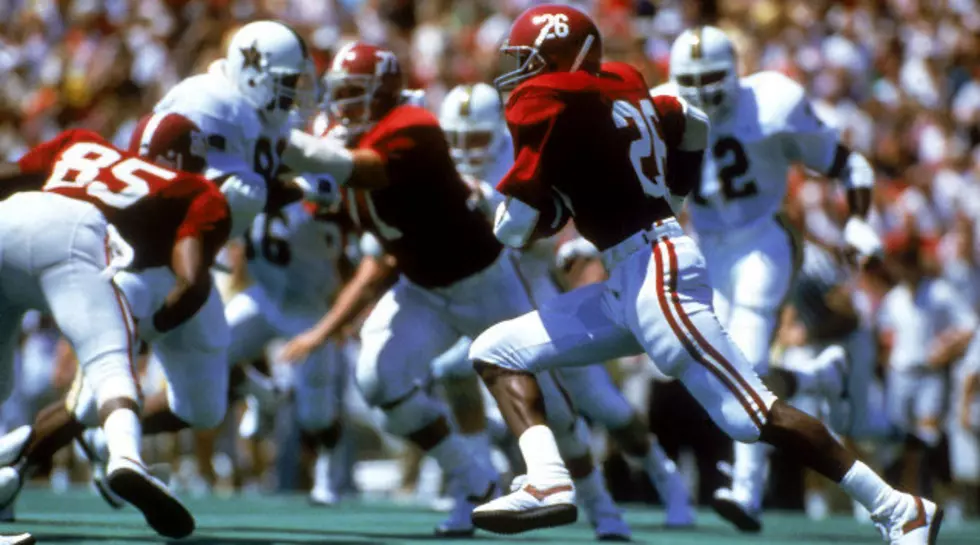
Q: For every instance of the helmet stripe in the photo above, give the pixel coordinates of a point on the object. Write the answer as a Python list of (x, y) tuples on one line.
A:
[(464, 105), (696, 42)]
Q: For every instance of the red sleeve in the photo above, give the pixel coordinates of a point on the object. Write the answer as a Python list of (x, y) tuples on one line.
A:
[(670, 110), (207, 218), (531, 115), (40, 158)]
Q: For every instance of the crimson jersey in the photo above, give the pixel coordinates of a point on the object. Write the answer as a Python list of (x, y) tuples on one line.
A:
[(599, 144), (422, 217), (152, 207)]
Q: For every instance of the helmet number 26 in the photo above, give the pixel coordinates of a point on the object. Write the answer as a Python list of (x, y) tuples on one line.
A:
[(648, 153), (554, 25)]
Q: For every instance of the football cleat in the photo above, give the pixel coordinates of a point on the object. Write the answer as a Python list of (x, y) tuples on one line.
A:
[(131, 481), (19, 539), (735, 509), (528, 507), (914, 521)]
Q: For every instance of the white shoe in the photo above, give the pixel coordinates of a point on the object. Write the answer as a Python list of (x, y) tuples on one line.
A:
[(529, 507), (914, 521), (459, 523), (131, 481), (19, 539), (322, 492), (12, 445), (257, 420), (735, 508)]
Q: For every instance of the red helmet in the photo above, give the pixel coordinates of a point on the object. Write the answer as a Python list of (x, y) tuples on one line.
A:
[(171, 140), (363, 84), (550, 38)]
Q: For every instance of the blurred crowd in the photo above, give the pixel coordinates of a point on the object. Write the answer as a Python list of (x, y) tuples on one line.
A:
[(899, 78)]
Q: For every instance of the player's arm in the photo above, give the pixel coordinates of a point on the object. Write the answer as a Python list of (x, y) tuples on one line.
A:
[(952, 344), (818, 147), (372, 275), (685, 131), (31, 171), (844, 317), (360, 168), (532, 208), (199, 239)]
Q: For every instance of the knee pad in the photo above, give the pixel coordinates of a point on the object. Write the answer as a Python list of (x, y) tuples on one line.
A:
[(413, 413), (574, 443)]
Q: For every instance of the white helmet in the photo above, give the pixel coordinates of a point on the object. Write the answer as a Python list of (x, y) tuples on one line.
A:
[(271, 67), (703, 66), (472, 116)]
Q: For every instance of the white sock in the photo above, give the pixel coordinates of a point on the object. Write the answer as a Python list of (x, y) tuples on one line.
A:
[(867, 488), (540, 451), (123, 433)]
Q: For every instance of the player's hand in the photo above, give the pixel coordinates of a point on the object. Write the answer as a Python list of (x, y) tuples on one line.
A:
[(320, 189), (300, 347), (862, 240)]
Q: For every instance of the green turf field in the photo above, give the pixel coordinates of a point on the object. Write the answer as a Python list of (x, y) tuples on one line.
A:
[(81, 517)]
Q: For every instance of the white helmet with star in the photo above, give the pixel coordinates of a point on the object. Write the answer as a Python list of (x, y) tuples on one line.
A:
[(269, 64)]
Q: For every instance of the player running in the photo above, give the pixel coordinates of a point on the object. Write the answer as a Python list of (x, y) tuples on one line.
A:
[(79, 191), (472, 117), (576, 120), (761, 125)]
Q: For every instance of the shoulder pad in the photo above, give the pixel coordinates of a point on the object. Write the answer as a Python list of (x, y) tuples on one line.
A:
[(776, 97), (532, 104), (405, 116), (208, 98)]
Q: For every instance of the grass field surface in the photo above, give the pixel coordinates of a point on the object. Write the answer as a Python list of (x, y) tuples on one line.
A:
[(79, 516)]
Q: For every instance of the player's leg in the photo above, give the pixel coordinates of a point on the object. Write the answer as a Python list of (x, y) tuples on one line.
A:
[(673, 319), (461, 387), (574, 444), (318, 390), (93, 315), (602, 402), (568, 330), (400, 338), (760, 277)]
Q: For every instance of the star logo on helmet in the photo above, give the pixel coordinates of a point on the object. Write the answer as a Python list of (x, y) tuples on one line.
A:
[(252, 57)]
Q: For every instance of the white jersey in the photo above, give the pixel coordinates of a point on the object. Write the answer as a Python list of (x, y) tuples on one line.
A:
[(915, 319), (238, 141), (750, 152), (295, 255)]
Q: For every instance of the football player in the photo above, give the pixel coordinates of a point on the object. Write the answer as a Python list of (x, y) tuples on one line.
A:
[(57, 256), (761, 125), (454, 280), (294, 257), (472, 117), (647, 153), (233, 125)]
